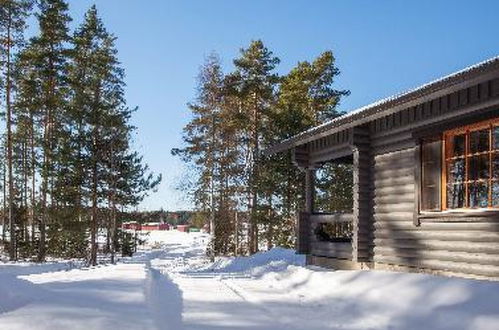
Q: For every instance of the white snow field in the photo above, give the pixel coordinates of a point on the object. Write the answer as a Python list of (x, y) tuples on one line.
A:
[(171, 285)]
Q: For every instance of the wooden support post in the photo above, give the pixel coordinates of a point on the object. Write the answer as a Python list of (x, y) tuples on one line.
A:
[(362, 203), (309, 189), (303, 233), (356, 213)]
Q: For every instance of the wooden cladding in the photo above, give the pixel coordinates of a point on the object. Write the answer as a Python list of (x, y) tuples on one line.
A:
[(436, 107), (342, 137)]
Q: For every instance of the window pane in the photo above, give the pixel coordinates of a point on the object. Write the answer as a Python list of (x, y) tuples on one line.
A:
[(495, 194), (431, 171), (455, 196), (479, 167), (458, 143), (478, 194), (456, 170), (479, 141), (495, 165), (495, 135)]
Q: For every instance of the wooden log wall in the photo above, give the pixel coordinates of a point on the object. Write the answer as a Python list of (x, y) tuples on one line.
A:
[(448, 243)]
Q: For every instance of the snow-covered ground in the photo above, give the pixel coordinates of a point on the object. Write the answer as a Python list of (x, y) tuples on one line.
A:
[(169, 284)]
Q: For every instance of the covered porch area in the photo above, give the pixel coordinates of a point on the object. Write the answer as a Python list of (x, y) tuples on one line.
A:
[(337, 234)]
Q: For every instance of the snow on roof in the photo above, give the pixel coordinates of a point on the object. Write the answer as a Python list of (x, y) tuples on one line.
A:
[(352, 115)]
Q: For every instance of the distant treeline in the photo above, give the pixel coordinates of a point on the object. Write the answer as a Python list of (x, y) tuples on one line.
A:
[(248, 197), (172, 218), (68, 168)]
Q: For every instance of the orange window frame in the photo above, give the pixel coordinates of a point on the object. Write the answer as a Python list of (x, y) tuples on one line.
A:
[(447, 149)]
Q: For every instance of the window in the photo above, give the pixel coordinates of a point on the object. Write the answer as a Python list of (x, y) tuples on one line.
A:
[(461, 170), (431, 161)]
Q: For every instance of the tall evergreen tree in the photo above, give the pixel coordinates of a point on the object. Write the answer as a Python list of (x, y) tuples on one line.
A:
[(203, 138), (104, 170), (306, 98), (13, 15), (255, 108), (255, 86), (49, 56), (97, 82)]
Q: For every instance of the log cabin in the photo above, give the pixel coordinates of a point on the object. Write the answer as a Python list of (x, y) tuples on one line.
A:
[(425, 166)]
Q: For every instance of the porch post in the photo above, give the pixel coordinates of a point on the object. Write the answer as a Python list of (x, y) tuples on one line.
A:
[(309, 189), (362, 203)]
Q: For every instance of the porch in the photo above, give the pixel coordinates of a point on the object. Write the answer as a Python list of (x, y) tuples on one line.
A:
[(339, 234)]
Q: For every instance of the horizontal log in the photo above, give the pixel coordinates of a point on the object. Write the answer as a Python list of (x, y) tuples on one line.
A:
[(458, 267), (331, 253), (442, 255), (336, 217), (458, 236), (394, 199), (395, 182), (392, 140), (395, 147), (438, 226), (395, 207), (383, 173), (394, 190), (472, 247), (394, 162), (393, 155), (393, 216), (332, 246)]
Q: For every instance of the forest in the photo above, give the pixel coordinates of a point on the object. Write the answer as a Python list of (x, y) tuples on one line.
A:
[(251, 199), (69, 169)]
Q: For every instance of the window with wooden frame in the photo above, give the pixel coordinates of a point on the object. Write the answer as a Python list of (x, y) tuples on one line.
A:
[(460, 170)]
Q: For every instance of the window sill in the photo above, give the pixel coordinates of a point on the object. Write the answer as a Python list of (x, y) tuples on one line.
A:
[(458, 215)]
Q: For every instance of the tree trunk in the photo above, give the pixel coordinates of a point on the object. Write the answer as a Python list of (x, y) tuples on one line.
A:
[(236, 234), (44, 187), (4, 211), (33, 178), (254, 176), (12, 223), (93, 225)]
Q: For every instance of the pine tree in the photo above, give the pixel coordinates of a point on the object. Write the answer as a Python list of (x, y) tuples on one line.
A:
[(27, 107), (306, 98), (13, 15), (202, 136), (48, 55), (255, 85), (105, 170), (255, 108)]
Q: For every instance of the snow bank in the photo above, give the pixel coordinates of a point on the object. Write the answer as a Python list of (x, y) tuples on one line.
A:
[(275, 260), (379, 300), (16, 292), (171, 284)]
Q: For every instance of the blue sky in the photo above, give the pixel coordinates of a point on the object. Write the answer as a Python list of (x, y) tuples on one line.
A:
[(382, 48)]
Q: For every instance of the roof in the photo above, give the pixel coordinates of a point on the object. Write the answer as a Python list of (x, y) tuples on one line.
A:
[(388, 103)]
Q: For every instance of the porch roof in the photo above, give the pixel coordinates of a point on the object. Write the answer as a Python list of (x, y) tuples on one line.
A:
[(387, 105)]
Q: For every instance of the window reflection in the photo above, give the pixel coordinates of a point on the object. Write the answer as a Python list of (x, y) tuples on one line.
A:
[(472, 166), (479, 195), (479, 141)]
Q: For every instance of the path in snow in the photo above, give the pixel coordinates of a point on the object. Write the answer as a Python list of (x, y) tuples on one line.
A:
[(172, 286), (205, 300), (165, 288)]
